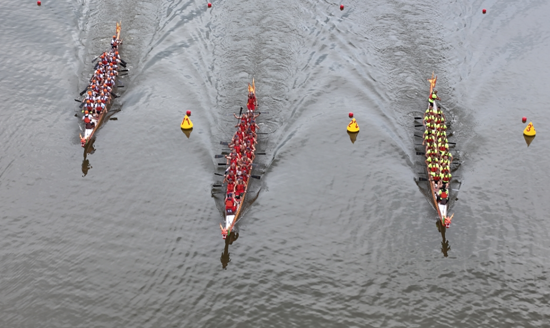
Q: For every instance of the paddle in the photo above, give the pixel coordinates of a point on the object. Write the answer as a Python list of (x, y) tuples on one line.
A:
[(422, 179), (420, 153), (219, 156), (224, 143), (78, 100), (84, 91), (96, 57), (122, 64), (217, 186), (114, 95), (418, 125)]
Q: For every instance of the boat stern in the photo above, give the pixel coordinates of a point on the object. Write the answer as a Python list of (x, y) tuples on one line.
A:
[(229, 219)]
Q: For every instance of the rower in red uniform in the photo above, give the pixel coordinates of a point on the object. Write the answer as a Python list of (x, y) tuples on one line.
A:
[(251, 104), (240, 188), (230, 188)]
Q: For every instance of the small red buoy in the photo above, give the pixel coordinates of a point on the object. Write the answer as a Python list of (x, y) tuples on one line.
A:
[(484, 11), (39, 3), (524, 119), (188, 113), (350, 114), (341, 7), (209, 5)]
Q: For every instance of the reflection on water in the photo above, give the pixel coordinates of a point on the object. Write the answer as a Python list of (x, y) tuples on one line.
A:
[(187, 132), (445, 247), (89, 149), (353, 136), (225, 255), (528, 140)]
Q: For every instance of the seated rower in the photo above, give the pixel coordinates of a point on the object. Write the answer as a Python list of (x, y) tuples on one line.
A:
[(229, 177), (428, 137), (87, 118), (429, 119), (446, 179), (230, 188), (433, 166), (449, 157), (442, 148), (240, 189), (436, 177), (232, 168)]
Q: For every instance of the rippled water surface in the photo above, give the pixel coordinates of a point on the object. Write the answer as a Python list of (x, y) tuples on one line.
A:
[(335, 234)]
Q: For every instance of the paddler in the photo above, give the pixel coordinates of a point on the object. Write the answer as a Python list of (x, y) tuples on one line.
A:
[(229, 177), (240, 188), (87, 118), (433, 166), (429, 119), (443, 148), (445, 179), (230, 188), (428, 137)]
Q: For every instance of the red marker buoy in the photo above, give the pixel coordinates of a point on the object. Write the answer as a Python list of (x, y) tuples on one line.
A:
[(209, 5), (341, 7), (484, 11), (188, 113), (39, 3), (524, 119), (350, 114)]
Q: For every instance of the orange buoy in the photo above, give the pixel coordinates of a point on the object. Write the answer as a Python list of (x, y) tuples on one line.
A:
[(39, 3), (524, 119), (484, 11), (341, 7), (209, 5)]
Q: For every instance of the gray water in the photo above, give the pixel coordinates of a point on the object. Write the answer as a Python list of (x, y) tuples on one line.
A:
[(337, 234)]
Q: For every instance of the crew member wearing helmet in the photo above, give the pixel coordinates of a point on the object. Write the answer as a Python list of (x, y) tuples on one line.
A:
[(86, 118)]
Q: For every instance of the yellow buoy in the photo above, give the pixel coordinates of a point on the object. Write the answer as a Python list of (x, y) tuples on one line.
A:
[(353, 126), (186, 124), (530, 130)]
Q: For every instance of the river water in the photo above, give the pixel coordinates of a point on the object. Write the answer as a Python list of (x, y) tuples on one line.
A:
[(335, 234)]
